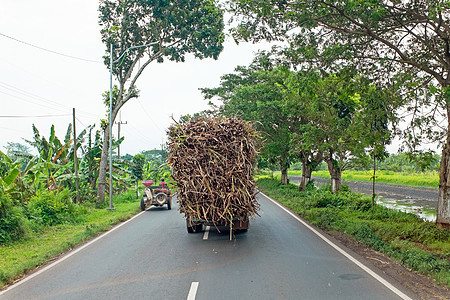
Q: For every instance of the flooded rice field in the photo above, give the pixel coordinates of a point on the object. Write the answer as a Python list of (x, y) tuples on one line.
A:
[(418, 200)]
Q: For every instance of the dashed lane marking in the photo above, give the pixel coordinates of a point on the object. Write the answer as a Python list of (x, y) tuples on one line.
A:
[(193, 291), (206, 234)]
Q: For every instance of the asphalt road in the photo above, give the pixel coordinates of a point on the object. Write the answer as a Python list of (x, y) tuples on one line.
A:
[(153, 257)]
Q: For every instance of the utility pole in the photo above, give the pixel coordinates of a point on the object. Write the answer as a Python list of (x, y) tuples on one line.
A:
[(75, 158), (118, 133)]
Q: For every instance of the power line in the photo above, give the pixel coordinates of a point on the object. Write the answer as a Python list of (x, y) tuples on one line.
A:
[(32, 102), (149, 116), (80, 122), (40, 116), (51, 51), (37, 97), (29, 95)]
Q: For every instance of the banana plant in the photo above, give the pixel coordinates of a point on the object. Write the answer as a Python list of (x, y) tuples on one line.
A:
[(157, 171), (10, 171)]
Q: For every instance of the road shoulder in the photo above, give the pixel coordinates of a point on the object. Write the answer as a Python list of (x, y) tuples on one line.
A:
[(422, 286)]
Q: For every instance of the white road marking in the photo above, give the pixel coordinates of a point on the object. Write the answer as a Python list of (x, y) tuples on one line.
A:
[(351, 258), (66, 256), (206, 234), (193, 291)]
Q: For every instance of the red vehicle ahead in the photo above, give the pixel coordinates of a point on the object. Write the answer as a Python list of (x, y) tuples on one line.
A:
[(157, 195)]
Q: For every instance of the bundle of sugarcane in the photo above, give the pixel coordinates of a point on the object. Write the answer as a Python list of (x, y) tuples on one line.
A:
[(212, 163)]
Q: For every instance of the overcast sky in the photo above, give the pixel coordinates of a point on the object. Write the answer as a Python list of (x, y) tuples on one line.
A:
[(41, 87)]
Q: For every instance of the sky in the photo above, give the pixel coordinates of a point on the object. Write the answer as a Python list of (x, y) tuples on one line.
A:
[(42, 87)]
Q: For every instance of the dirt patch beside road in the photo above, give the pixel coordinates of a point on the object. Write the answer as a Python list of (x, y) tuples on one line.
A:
[(422, 286)]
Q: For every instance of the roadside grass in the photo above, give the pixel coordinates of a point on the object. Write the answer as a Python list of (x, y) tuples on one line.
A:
[(417, 244), (18, 258), (429, 179)]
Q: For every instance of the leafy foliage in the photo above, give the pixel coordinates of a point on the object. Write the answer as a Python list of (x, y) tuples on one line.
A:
[(50, 208), (402, 44), (137, 168), (152, 30), (12, 224)]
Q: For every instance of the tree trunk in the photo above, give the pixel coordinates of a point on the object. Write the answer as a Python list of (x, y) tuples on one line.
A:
[(102, 169), (306, 176), (373, 180), (284, 178), (443, 209), (335, 174)]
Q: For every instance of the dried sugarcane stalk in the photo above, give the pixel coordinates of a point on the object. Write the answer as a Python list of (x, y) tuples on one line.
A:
[(212, 164)]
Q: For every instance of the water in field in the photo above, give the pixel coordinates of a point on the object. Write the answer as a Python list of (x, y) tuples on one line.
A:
[(420, 201), (409, 207)]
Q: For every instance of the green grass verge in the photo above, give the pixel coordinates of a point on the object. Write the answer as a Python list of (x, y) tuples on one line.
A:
[(430, 179), (417, 244), (18, 258)]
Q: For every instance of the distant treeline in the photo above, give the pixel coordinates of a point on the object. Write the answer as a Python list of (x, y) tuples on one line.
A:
[(402, 162)]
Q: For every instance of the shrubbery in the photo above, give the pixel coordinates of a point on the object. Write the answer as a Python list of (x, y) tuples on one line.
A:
[(12, 223), (45, 209), (53, 208)]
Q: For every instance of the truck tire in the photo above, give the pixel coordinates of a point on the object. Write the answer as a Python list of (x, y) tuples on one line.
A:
[(142, 204), (192, 228), (198, 228), (169, 204)]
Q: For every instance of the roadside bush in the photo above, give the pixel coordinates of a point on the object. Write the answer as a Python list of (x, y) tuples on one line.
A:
[(326, 218), (128, 196), (361, 203), (53, 208), (327, 199), (12, 222)]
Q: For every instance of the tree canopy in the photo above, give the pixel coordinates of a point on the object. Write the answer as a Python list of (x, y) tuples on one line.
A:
[(174, 28), (400, 43)]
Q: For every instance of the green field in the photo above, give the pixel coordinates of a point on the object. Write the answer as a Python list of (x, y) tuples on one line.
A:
[(429, 179)]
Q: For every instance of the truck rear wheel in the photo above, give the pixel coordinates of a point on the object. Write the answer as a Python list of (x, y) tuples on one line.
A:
[(198, 228), (191, 228)]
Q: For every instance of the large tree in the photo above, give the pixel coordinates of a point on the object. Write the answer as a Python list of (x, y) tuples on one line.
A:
[(179, 27), (256, 93), (407, 40)]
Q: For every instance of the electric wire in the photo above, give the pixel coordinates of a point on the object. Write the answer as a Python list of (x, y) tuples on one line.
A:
[(136, 132), (33, 102), (29, 95), (76, 118), (14, 130), (148, 115), (36, 116), (48, 50), (40, 98)]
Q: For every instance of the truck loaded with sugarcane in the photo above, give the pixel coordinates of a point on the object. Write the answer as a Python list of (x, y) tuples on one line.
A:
[(212, 163)]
